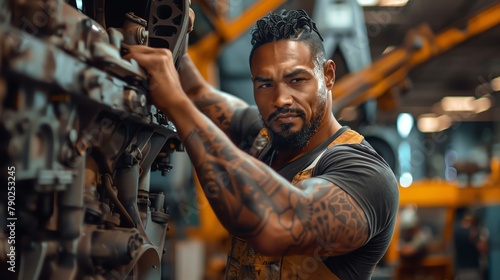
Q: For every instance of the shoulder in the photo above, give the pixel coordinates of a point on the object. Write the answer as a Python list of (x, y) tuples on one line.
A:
[(365, 176), (361, 155), (356, 165)]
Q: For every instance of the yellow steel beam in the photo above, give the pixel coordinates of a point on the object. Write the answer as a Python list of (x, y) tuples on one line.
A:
[(392, 68), (229, 30), (429, 193), (440, 193)]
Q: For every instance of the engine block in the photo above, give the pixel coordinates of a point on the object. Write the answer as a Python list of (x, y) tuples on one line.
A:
[(79, 138)]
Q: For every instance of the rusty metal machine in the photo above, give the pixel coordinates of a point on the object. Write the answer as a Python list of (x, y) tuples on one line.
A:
[(79, 138)]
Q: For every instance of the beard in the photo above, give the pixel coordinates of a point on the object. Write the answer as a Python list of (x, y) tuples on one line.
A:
[(289, 139)]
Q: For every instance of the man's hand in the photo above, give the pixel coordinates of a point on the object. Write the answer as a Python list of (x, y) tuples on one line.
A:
[(164, 84)]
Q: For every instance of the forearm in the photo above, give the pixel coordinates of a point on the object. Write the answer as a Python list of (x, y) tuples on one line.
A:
[(218, 106), (195, 85), (224, 171)]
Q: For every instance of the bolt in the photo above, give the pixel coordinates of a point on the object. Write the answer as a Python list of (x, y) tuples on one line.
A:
[(141, 35)]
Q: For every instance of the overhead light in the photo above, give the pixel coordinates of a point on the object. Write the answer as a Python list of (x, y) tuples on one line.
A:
[(457, 104), (444, 121), (465, 104), (495, 84), (482, 104), (404, 124), (368, 2), (405, 180), (429, 123), (399, 3)]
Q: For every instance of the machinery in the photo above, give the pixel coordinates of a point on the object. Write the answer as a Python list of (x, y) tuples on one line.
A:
[(79, 138)]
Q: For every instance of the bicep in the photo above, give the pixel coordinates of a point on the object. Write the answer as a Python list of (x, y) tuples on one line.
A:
[(336, 222), (314, 217)]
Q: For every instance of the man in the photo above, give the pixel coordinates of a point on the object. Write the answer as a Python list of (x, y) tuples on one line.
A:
[(470, 242), (414, 237), (317, 202)]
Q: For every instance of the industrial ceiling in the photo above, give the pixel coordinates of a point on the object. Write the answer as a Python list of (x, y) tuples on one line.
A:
[(465, 70)]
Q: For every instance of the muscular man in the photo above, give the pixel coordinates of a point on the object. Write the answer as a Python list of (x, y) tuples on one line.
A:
[(315, 201)]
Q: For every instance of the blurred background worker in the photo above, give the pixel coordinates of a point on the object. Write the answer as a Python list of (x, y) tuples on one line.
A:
[(471, 247), (414, 236)]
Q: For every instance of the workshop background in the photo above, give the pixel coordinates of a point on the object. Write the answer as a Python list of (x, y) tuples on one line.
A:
[(420, 79)]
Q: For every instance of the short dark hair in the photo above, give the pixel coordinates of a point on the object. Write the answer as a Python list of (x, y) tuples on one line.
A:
[(293, 25)]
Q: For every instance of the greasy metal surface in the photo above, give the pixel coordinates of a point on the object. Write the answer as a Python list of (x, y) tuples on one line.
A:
[(83, 138)]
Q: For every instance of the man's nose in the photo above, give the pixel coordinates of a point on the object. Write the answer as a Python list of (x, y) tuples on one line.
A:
[(283, 97)]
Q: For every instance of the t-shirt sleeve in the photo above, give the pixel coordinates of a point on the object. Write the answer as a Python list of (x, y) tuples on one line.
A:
[(366, 177), (245, 125)]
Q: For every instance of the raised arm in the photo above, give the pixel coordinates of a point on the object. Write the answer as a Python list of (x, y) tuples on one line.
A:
[(218, 106), (250, 199)]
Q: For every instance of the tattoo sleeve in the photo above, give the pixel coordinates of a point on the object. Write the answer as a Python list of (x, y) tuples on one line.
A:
[(251, 200), (218, 106)]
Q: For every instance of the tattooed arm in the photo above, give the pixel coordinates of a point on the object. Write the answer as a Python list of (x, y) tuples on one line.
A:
[(250, 199), (218, 106), (255, 203)]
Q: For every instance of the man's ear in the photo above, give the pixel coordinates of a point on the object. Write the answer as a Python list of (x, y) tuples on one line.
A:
[(329, 72)]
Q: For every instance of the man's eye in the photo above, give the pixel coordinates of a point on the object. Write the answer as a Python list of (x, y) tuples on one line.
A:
[(264, 86), (297, 80)]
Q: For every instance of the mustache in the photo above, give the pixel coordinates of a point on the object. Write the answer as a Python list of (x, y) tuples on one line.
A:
[(273, 115)]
